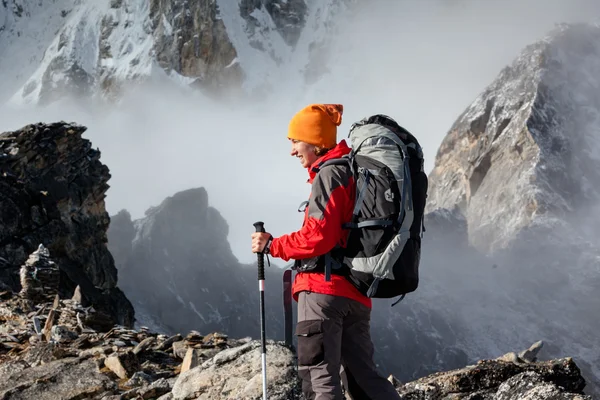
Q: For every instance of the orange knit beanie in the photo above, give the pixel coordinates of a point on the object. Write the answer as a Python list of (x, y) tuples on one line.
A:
[(317, 124)]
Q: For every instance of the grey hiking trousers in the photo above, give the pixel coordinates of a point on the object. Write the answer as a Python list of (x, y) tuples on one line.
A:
[(334, 331)]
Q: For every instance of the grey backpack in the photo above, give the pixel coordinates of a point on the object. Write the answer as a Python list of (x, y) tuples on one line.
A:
[(383, 251)]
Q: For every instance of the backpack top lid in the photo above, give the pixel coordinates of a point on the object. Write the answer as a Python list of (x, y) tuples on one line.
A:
[(388, 123)]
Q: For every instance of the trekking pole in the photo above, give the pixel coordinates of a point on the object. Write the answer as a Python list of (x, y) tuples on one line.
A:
[(261, 287)]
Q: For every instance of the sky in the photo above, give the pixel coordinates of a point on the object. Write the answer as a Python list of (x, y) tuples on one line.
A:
[(421, 62)]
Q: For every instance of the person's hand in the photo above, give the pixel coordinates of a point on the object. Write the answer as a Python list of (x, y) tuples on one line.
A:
[(259, 241)]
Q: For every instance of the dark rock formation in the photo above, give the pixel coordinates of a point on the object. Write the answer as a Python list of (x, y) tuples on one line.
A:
[(52, 189), (177, 267)]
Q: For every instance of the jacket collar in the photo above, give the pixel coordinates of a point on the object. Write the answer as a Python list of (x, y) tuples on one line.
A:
[(338, 151)]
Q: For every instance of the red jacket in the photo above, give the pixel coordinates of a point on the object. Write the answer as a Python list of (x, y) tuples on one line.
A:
[(330, 205)]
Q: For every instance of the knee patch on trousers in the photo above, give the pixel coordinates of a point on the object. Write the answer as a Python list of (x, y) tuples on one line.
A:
[(310, 342)]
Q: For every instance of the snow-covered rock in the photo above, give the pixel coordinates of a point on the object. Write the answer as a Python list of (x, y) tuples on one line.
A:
[(98, 48)]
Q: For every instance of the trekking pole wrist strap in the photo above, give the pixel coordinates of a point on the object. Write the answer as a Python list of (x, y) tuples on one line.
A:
[(267, 248)]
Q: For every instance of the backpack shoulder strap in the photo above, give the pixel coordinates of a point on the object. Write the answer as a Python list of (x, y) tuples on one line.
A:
[(334, 161)]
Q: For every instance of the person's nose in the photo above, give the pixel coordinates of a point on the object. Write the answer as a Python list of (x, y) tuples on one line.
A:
[(294, 152)]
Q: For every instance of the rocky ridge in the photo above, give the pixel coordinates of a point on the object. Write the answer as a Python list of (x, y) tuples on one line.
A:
[(63, 349)]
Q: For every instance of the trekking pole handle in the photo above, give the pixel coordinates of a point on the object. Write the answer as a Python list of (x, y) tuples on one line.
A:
[(260, 227)]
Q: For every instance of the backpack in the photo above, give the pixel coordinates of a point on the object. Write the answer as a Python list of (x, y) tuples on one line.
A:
[(383, 249)]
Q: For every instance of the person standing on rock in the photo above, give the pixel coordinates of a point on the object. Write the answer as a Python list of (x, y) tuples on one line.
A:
[(333, 326)]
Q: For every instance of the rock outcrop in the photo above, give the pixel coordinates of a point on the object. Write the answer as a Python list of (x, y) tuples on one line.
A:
[(525, 154), (62, 349), (177, 267), (52, 189), (191, 40), (502, 380)]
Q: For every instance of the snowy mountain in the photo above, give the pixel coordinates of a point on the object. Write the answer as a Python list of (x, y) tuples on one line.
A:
[(99, 48)]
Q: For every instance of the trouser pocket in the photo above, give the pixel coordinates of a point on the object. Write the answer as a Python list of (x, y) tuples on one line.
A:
[(310, 342)]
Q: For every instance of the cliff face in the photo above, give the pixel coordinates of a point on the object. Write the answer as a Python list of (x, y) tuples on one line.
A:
[(190, 39), (526, 152), (52, 189)]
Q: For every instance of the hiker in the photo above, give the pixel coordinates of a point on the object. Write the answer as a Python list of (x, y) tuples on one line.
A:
[(333, 326)]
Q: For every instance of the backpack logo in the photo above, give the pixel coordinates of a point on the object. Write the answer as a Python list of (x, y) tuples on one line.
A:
[(389, 196)]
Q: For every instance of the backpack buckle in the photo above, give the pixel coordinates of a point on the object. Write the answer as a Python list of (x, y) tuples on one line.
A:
[(303, 206)]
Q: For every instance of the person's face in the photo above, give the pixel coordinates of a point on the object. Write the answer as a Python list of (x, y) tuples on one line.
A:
[(304, 151)]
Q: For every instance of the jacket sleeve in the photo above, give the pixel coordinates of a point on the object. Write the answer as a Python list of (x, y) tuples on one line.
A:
[(328, 205)]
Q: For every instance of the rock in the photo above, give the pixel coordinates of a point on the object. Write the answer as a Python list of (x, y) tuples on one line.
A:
[(510, 357), (78, 297), (61, 334), (394, 381), (37, 325), (52, 192), (156, 389), (223, 367), (483, 380), (530, 355), (169, 342), (289, 17), (236, 374), (139, 379), (179, 349), (144, 344), (191, 40), (40, 276), (63, 379), (123, 365), (530, 385), (192, 359)]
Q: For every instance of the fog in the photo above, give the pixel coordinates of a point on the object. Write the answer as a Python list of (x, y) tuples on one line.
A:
[(420, 62)]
